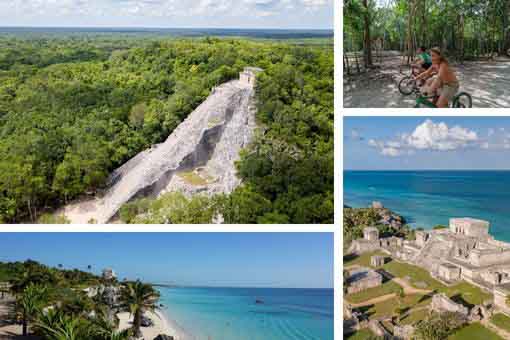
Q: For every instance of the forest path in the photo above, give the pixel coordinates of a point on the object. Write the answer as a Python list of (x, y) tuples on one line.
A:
[(488, 82), (198, 157)]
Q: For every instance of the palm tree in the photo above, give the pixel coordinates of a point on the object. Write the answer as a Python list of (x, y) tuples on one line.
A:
[(30, 303), (105, 329), (56, 325), (137, 298)]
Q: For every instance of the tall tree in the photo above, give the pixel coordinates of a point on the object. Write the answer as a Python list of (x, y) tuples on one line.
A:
[(367, 43), (137, 298)]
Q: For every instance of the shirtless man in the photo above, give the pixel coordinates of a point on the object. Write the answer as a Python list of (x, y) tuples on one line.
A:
[(446, 81)]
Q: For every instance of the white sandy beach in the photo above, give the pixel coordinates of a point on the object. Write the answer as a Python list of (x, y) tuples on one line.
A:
[(161, 325)]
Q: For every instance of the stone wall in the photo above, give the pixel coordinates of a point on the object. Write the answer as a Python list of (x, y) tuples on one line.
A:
[(487, 257), (442, 303)]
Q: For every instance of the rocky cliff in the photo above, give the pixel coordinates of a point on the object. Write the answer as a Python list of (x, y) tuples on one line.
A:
[(198, 157)]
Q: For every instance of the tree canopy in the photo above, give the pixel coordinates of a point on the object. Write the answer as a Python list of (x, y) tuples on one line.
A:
[(74, 109)]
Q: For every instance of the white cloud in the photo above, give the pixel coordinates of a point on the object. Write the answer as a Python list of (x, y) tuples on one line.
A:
[(161, 8), (428, 136)]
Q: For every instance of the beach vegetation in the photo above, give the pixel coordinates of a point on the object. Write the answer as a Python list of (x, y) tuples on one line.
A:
[(138, 297), (356, 219), (30, 303), (440, 226), (54, 303)]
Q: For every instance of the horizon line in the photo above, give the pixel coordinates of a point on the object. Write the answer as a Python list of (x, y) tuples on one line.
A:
[(428, 169), (176, 27), (231, 287)]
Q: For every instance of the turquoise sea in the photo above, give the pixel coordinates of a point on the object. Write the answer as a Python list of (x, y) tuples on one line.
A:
[(429, 198), (250, 313)]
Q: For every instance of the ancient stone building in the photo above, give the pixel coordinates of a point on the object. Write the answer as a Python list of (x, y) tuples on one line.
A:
[(469, 227), (421, 237), (377, 261), (362, 278), (449, 272), (501, 294), (464, 251), (249, 75), (371, 234), (442, 303)]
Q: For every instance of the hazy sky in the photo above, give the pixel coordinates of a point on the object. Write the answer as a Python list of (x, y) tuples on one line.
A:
[(204, 259), (169, 13), (393, 143)]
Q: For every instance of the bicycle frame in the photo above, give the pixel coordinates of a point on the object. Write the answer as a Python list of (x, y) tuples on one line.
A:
[(423, 100)]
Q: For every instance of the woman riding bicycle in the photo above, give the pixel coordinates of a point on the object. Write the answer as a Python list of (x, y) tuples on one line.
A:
[(446, 81)]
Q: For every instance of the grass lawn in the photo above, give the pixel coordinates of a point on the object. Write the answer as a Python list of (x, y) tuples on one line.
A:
[(416, 274), (360, 335), (415, 316), (502, 321), (362, 260), (367, 294), (467, 292), (387, 308), (474, 331)]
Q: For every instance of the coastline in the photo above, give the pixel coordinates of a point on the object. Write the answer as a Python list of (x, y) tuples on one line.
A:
[(160, 326)]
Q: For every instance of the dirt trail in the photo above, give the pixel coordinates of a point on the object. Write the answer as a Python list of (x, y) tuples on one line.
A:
[(488, 82), (501, 332), (373, 301), (408, 289)]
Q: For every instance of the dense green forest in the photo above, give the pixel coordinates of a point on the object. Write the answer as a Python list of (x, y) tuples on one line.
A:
[(466, 29), (74, 109)]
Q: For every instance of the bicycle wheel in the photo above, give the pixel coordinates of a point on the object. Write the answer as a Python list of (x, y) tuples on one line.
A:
[(463, 101), (407, 85)]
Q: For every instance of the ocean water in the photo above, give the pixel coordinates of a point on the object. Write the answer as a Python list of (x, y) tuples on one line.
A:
[(429, 198), (233, 314)]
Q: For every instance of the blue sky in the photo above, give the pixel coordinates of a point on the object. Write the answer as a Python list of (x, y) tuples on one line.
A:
[(393, 143), (291, 260), (169, 13)]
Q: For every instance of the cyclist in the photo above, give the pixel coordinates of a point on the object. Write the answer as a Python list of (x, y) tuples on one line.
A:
[(423, 60), (446, 81)]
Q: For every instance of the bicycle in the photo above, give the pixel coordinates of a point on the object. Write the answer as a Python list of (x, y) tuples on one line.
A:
[(408, 85), (461, 100)]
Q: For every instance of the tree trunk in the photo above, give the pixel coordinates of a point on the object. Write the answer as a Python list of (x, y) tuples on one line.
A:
[(137, 321), (424, 24), (461, 37), (25, 324), (506, 29), (367, 48)]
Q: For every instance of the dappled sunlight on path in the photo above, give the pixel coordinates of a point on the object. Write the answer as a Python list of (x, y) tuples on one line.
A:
[(487, 82)]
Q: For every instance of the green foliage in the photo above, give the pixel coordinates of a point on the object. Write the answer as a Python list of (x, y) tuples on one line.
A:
[(439, 326), (439, 226), (170, 208), (137, 298), (467, 28), (72, 110)]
